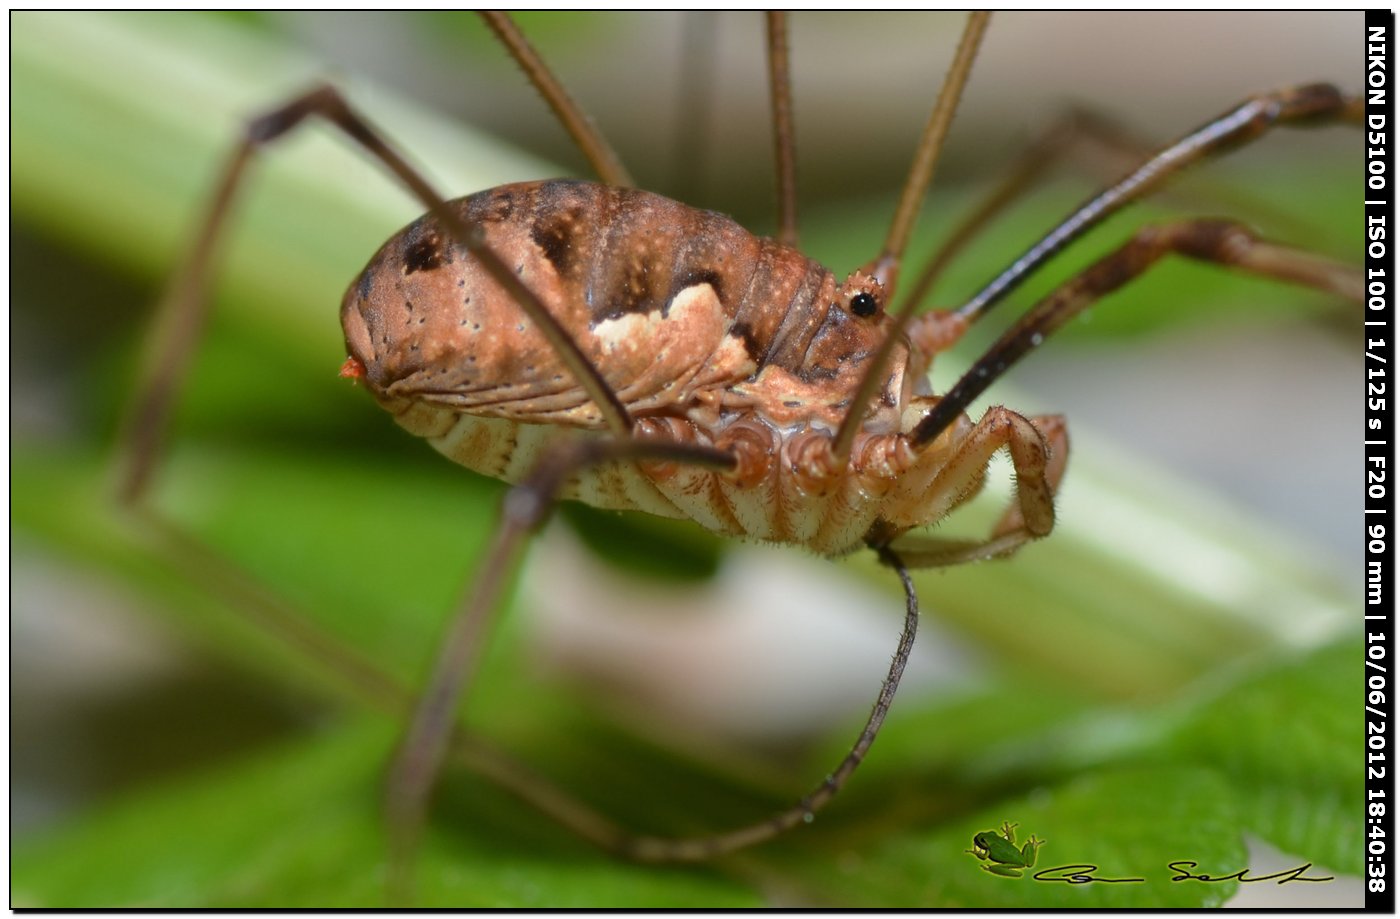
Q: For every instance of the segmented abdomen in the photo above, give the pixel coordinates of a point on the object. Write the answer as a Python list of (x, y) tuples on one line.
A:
[(776, 501)]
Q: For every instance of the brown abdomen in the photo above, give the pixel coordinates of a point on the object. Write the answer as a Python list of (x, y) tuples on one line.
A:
[(667, 301)]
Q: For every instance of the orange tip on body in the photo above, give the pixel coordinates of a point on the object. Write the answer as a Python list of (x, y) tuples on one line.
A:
[(352, 369)]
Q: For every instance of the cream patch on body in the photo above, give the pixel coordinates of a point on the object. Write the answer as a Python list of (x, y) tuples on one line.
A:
[(635, 329), (654, 359)]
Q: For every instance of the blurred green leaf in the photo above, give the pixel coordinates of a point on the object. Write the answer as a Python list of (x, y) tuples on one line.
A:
[(645, 545), (300, 827)]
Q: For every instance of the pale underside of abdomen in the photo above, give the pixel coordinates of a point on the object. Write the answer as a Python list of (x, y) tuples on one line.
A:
[(776, 508)]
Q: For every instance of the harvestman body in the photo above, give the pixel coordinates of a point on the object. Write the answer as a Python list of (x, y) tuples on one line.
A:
[(708, 336), (597, 342)]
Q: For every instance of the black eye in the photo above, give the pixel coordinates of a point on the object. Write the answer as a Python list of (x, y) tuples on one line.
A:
[(862, 304)]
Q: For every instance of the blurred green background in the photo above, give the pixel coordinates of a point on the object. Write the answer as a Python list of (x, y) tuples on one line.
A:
[(169, 752)]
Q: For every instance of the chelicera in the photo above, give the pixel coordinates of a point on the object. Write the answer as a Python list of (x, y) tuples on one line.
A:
[(596, 342)]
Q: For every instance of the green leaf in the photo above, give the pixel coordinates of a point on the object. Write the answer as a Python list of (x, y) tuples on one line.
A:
[(301, 827), (1128, 822), (1288, 741)]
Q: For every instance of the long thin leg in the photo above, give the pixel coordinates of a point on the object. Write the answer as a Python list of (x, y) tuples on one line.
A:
[(885, 267), (368, 684), (180, 320), (371, 686), (366, 681), (426, 743), (267, 612), (780, 87), (693, 105), (585, 134), (936, 331), (184, 308), (591, 825), (1077, 134), (420, 756), (377, 689), (1303, 106), (658, 849), (1032, 166), (927, 153), (1309, 105), (1220, 241)]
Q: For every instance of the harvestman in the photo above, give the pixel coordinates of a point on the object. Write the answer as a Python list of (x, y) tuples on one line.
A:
[(703, 373)]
